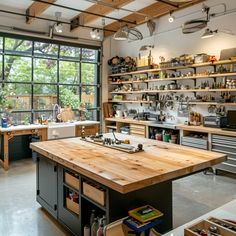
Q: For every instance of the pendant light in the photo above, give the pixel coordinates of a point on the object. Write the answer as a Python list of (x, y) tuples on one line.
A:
[(121, 35)]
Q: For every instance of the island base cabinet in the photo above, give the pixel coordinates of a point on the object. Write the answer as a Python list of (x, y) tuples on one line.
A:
[(55, 188), (67, 217), (47, 184)]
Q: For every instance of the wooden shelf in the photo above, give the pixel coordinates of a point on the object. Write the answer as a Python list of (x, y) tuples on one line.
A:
[(222, 62), (214, 103), (176, 78), (175, 91), (127, 101), (111, 127)]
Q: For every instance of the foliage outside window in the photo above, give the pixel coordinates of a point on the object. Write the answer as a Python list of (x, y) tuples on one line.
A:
[(35, 75)]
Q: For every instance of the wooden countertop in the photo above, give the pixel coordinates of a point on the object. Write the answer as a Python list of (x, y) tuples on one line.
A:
[(126, 172), (39, 126), (131, 121), (206, 130), (22, 127)]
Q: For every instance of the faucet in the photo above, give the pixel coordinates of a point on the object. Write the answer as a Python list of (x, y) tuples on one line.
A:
[(55, 110)]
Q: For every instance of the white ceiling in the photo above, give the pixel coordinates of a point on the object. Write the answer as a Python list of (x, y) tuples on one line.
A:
[(22, 5)]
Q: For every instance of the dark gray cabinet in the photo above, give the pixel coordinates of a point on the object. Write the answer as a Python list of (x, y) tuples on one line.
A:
[(47, 184), (54, 194), (225, 144)]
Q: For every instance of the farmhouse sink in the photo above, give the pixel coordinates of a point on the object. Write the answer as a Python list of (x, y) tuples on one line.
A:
[(60, 130)]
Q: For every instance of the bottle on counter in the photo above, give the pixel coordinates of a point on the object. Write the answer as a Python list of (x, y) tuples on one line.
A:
[(100, 228), (94, 227), (92, 217)]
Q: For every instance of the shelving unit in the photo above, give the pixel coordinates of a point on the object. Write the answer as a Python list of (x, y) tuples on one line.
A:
[(176, 78), (216, 63), (195, 77)]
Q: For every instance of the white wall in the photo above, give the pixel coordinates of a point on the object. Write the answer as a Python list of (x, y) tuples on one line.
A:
[(169, 41)]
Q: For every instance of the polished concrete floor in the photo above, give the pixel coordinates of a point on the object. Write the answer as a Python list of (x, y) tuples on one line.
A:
[(20, 214)]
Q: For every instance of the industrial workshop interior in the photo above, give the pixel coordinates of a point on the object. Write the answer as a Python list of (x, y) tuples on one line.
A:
[(117, 117)]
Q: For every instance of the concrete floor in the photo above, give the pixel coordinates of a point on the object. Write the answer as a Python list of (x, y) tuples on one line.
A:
[(20, 214)]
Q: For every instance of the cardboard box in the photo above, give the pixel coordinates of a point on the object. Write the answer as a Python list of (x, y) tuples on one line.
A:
[(73, 206), (72, 181), (94, 192)]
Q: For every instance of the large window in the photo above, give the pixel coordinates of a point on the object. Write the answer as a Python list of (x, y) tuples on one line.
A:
[(36, 75)]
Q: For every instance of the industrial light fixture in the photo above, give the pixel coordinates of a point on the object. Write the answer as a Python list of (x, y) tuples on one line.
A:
[(121, 35), (58, 27), (146, 47), (209, 33), (95, 34), (171, 17)]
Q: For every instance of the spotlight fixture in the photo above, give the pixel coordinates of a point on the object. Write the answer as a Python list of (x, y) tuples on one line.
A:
[(58, 27), (121, 35), (209, 33), (171, 17), (95, 34)]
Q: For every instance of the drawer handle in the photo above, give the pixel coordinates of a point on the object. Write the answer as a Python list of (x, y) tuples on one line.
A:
[(222, 145), (221, 151)]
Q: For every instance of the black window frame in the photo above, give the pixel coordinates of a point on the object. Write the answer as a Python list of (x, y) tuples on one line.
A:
[(96, 109)]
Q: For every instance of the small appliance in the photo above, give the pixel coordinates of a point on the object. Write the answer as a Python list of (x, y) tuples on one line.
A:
[(215, 121)]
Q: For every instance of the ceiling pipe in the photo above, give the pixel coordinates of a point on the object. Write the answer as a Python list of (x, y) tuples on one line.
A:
[(168, 3), (86, 12), (53, 20)]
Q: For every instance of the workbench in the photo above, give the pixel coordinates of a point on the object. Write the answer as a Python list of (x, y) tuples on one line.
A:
[(9, 133), (127, 180)]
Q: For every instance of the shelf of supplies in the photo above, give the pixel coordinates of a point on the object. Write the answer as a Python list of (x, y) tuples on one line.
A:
[(174, 91), (132, 101), (176, 78), (222, 62), (213, 103), (111, 127)]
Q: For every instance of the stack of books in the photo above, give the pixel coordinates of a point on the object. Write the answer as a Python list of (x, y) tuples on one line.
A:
[(143, 218)]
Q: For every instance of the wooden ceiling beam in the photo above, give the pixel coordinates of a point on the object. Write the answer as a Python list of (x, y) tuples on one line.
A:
[(102, 9), (155, 10), (36, 9)]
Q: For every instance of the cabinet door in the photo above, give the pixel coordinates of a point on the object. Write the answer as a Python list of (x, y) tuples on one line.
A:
[(88, 129), (47, 184)]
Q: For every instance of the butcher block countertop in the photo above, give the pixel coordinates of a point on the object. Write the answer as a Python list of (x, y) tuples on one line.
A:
[(125, 172)]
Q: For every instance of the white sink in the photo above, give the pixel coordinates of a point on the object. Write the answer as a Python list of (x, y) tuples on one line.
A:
[(61, 130)]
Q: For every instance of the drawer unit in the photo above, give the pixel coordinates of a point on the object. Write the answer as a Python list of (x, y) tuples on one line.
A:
[(138, 130), (194, 142), (227, 145)]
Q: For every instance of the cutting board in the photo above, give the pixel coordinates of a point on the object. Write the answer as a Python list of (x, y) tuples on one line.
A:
[(66, 114)]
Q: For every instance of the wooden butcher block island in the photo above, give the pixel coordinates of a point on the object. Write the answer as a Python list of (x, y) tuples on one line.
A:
[(112, 181)]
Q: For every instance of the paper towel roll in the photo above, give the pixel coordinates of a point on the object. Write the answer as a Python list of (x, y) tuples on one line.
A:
[(86, 230)]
